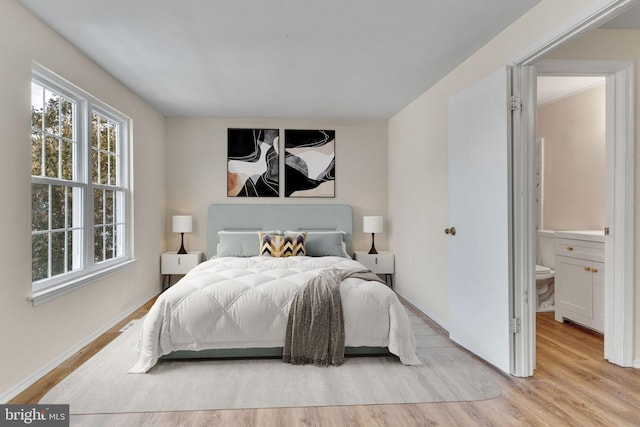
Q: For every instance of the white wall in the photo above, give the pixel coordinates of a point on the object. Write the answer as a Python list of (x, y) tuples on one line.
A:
[(33, 337), (196, 165), (573, 176), (418, 199)]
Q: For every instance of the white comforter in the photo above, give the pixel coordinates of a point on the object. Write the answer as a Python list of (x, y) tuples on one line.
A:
[(244, 302)]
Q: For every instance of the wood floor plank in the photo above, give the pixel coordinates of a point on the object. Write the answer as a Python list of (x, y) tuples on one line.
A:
[(572, 385)]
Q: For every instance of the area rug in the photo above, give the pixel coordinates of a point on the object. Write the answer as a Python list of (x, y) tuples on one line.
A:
[(102, 385)]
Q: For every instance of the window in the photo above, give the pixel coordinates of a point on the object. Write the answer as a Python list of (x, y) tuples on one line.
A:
[(79, 187)]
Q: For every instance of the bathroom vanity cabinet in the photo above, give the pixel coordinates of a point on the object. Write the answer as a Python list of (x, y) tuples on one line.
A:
[(579, 281)]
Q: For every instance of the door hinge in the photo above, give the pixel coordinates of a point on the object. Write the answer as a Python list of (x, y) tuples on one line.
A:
[(515, 325), (516, 104), (606, 231)]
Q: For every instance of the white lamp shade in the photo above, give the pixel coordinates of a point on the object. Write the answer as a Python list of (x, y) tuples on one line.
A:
[(372, 224), (182, 223)]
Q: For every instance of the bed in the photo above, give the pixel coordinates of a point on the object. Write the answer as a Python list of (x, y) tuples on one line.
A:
[(236, 304)]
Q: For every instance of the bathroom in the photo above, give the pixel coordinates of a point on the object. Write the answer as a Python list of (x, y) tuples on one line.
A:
[(570, 196)]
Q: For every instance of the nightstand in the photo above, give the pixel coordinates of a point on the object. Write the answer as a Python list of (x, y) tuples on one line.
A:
[(380, 263), (173, 263)]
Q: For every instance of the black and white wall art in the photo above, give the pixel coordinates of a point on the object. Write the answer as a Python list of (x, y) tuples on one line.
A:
[(253, 162), (309, 163)]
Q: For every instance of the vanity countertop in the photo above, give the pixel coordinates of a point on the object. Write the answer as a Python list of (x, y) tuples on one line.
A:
[(589, 235)]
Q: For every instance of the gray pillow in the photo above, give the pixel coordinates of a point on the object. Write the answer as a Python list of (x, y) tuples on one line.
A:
[(238, 243), (325, 243)]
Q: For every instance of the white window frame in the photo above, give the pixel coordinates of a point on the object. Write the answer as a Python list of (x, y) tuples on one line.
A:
[(88, 271)]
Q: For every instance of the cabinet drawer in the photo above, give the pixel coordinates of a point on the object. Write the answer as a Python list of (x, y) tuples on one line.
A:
[(381, 263), (593, 251), (172, 263)]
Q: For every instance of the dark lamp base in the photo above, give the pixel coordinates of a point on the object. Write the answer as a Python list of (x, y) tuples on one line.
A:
[(373, 244), (182, 250)]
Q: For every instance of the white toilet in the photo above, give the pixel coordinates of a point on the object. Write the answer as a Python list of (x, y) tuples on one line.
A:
[(545, 264)]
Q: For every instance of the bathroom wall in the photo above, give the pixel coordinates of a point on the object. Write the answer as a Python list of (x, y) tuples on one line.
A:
[(573, 173)]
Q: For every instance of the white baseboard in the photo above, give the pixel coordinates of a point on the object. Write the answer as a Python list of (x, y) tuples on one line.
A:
[(636, 364), (31, 379), (427, 313)]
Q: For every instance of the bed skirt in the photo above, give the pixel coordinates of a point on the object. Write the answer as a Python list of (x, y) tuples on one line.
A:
[(239, 353)]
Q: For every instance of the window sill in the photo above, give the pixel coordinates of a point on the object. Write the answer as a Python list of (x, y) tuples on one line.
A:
[(40, 297)]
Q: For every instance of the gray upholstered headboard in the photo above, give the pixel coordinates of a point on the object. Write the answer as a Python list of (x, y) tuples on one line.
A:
[(278, 217)]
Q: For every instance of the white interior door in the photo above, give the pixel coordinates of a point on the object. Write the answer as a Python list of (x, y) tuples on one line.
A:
[(480, 211)]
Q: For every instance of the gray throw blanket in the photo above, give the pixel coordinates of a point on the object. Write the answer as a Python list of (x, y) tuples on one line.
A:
[(315, 329)]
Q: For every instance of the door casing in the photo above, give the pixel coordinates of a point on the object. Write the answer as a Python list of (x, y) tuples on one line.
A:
[(619, 308)]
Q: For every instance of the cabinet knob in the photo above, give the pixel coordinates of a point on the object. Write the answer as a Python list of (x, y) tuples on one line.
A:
[(451, 230), (587, 269), (594, 270), (569, 248)]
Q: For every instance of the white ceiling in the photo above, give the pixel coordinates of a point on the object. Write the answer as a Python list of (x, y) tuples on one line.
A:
[(553, 88), (332, 59)]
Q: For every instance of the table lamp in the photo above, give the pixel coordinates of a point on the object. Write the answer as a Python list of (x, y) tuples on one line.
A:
[(182, 224), (373, 225)]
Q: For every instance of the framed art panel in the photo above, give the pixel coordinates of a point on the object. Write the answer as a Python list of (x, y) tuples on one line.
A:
[(253, 163), (309, 163)]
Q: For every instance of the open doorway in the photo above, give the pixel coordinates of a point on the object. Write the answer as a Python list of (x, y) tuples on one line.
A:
[(571, 198), (581, 51), (617, 279)]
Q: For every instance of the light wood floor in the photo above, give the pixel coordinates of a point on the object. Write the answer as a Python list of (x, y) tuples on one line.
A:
[(572, 386)]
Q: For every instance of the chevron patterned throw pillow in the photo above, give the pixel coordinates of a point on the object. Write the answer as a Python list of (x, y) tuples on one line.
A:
[(277, 245)]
